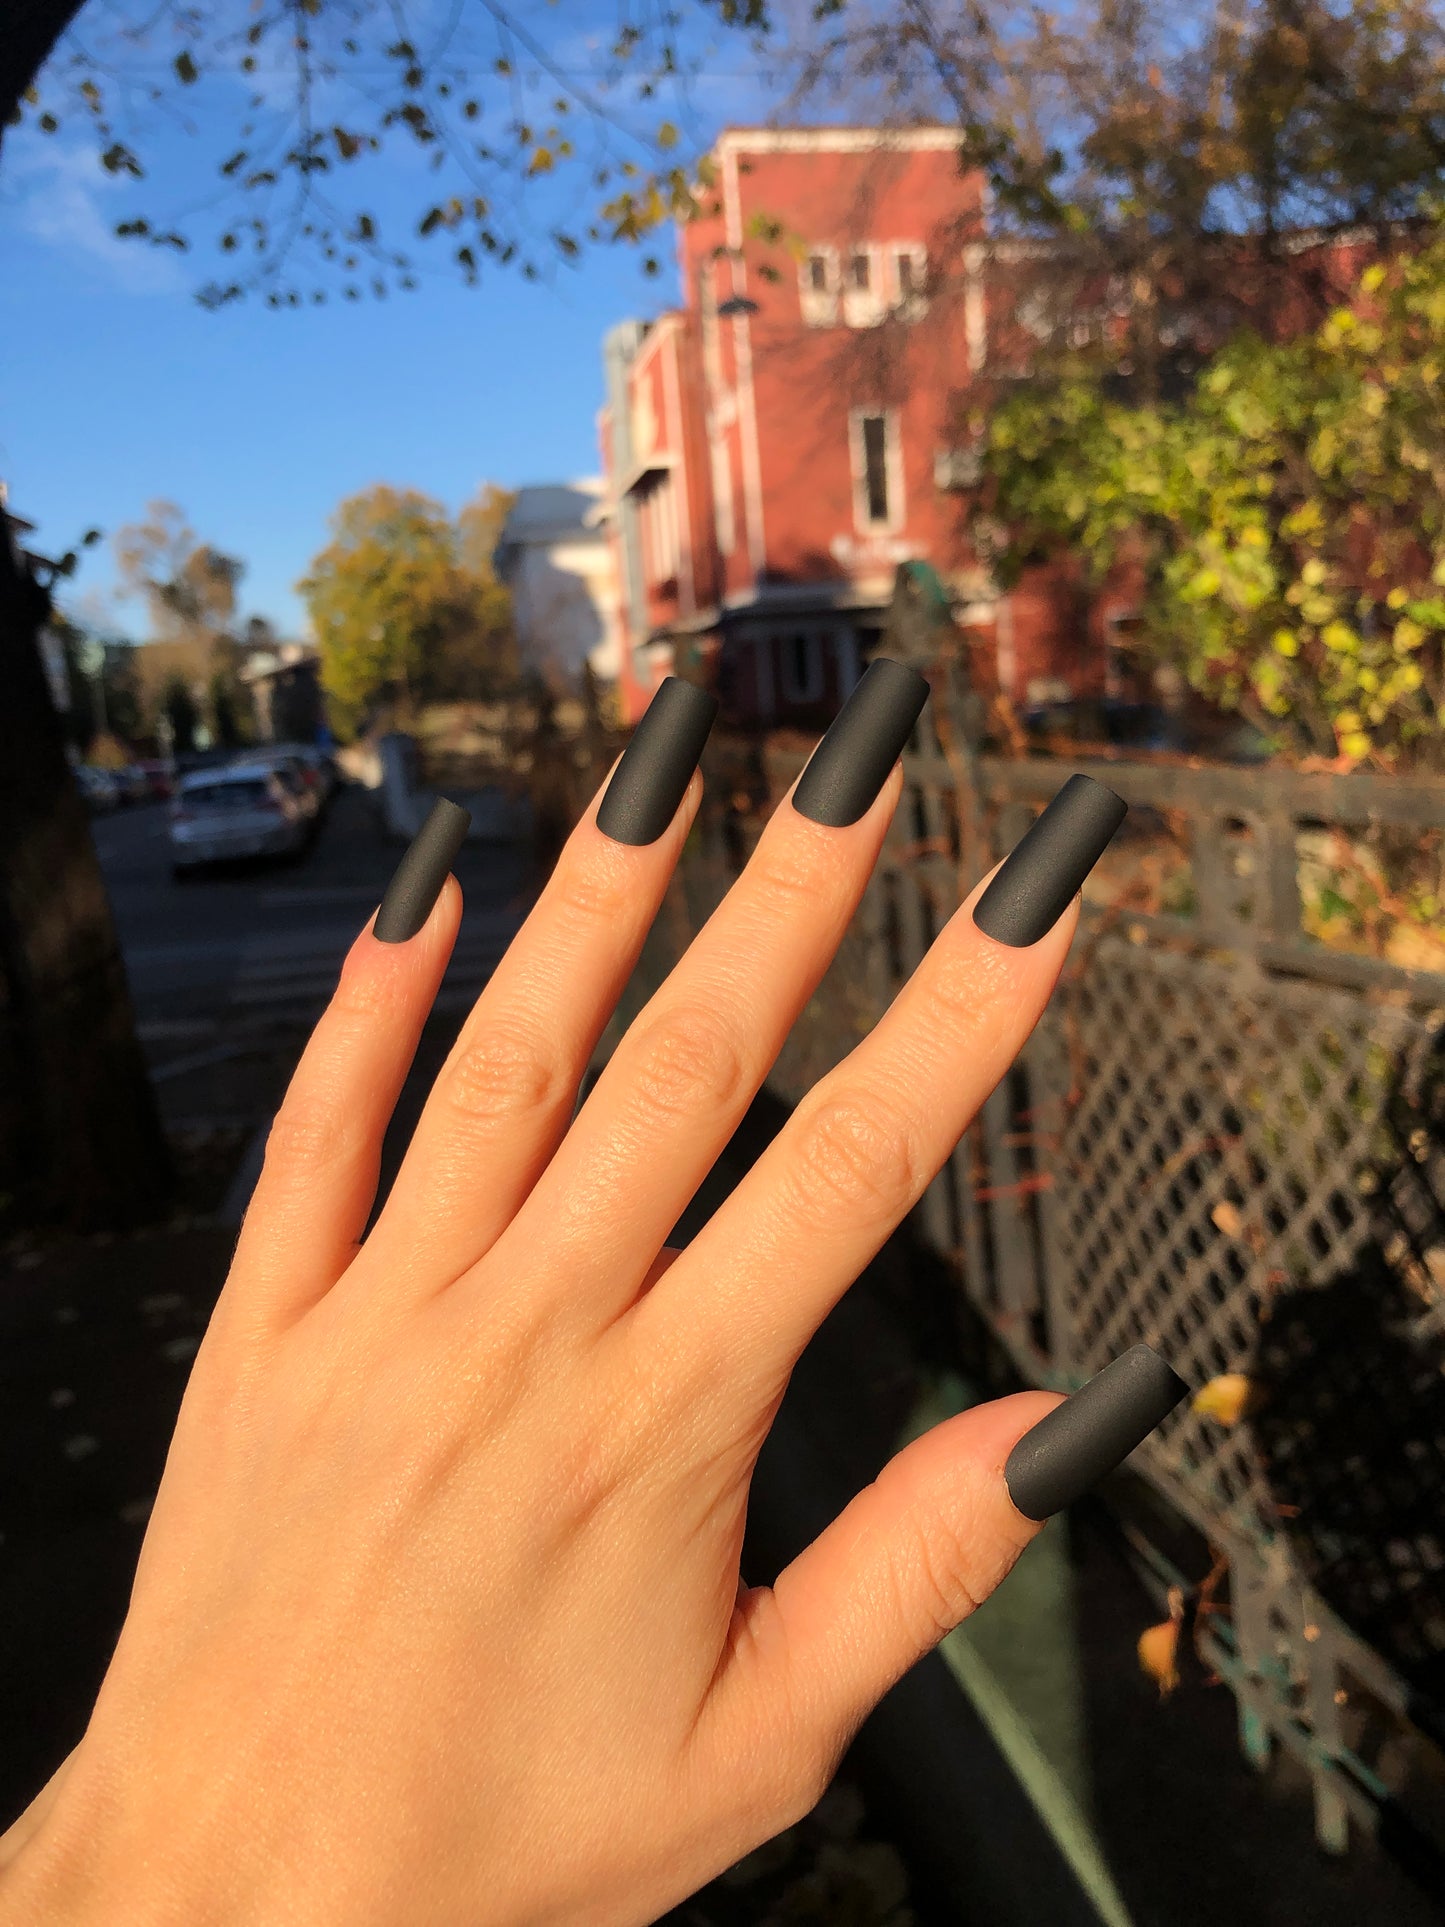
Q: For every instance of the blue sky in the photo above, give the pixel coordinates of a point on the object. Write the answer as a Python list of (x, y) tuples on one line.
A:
[(116, 387)]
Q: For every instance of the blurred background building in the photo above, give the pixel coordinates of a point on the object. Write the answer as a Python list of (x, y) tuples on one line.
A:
[(556, 556)]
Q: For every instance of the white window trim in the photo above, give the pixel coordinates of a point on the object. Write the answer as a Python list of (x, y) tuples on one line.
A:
[(707, 303), (865, 307), (975, 319), (812, 688), (911, 306), (659, 509), (819, 305), (893, 459), (724, 511)]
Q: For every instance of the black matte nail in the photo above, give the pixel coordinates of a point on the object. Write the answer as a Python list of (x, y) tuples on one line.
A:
[(657, 765), (1049, 863), (862, 743), (1092, 1432), (421, 873)]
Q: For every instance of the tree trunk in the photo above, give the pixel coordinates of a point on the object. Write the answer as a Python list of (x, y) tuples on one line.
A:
[(80, 1135), (32, 28)]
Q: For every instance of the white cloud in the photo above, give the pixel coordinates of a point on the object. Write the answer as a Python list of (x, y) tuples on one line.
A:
[(61, 195)]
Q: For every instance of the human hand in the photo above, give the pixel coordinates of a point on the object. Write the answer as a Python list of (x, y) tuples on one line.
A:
[(438, 1617)]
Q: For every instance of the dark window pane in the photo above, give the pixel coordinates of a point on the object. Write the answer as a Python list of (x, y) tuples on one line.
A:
[(799, 648), (875, 466), (907, 278), (859, 268), (817, 274)]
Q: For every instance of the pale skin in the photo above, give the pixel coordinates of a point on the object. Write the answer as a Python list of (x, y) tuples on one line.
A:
[(438, 1617)]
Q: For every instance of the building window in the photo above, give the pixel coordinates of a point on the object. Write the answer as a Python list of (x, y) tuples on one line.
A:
[(875, 467), (802, 668), (818, 287), (865, 299), (659, 517), (877, 470), (910, 266)]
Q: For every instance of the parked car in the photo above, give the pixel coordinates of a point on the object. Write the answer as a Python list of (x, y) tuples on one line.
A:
[(98, 786), (299, 777), (319, 762), (247, 809), (158, 779)]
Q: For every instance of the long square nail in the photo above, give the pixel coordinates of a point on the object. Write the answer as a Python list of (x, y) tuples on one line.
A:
[(861, 745), (1089, 1434), (417, 881), (1048, 865), (657, 765)]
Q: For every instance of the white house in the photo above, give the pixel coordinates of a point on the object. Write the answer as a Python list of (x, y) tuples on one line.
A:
[(555, 554)]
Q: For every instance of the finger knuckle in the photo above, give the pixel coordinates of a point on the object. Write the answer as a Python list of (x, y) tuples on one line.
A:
[(371, 984), (593, 886), (688, 1062), (961, 990), (361, 997), (854, 1153), (308, 1132), (504, 1071), (932, 1578), (786, 880)]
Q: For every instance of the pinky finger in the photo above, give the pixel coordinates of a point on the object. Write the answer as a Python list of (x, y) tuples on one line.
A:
[(323, 1155)]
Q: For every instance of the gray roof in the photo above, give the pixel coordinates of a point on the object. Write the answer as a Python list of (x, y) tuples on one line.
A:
[(552, 510)]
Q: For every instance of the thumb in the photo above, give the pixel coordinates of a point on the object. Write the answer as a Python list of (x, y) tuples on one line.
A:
[(903, 1564), (920, 1548)]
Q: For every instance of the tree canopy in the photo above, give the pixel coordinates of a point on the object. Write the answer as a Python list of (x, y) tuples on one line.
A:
[(403, 602), (1289, 516), (1133, 134)]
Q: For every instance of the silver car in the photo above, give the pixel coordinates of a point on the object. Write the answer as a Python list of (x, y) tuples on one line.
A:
[(245, 810)]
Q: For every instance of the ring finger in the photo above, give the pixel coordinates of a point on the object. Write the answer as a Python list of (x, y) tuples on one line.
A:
[(503, 1099), (734, 1314)]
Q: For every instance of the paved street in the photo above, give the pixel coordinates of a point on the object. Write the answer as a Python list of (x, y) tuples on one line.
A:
[(229, 970)]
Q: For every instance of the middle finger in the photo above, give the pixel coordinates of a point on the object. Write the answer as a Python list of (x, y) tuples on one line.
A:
[(679, 1082)]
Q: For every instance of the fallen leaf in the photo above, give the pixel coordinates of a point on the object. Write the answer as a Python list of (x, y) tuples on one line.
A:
[(1159, 1646), (1226, 1218), (1228, 1398)]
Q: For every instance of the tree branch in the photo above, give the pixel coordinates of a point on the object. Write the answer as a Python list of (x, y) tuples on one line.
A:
[(31, 31)]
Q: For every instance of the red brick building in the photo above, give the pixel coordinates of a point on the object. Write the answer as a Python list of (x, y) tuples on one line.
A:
[(799, 427), (806, 421)]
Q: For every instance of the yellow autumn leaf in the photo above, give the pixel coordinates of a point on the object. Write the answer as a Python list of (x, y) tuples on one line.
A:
[(1158, 1646), (1228, 1398)]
